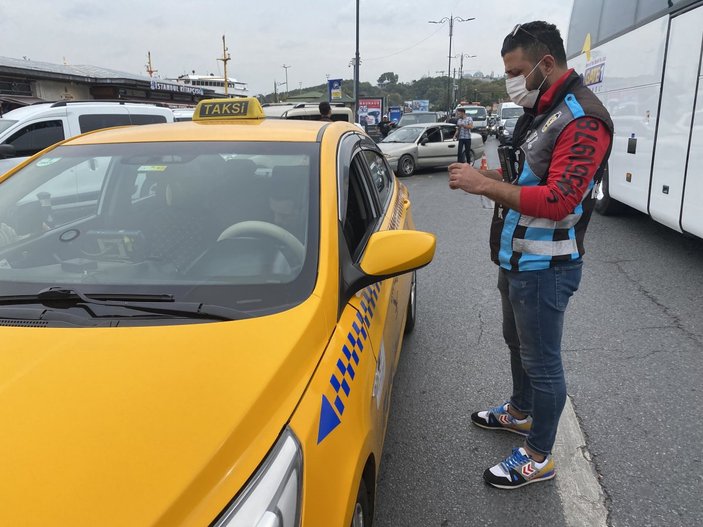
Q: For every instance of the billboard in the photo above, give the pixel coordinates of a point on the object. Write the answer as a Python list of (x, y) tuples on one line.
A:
[(334, 89), (370, 111), (421, 105)]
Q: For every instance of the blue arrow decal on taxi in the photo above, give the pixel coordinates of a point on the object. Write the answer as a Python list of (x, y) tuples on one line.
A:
[(328, 420), (342, 377)]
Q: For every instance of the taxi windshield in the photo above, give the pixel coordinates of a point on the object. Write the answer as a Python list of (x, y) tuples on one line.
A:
[(233, 224)]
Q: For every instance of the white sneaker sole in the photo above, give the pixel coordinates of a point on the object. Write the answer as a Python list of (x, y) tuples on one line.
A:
[(511, 487), (514, 431)]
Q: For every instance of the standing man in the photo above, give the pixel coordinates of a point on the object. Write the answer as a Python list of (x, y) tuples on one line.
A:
[(325, 111), (561, 147), (464, 124), (385, 126)]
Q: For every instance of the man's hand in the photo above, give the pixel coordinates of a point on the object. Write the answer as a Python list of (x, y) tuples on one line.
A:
[(465, 177), (487, 183)]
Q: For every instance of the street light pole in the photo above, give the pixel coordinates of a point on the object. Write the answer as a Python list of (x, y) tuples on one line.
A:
[(356, 68), (286, 68), (461, 69), (451, 20)]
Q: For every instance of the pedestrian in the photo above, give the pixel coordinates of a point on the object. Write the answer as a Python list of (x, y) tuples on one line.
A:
[(561, 147), (464, 124), (325, 111), (385, 126)]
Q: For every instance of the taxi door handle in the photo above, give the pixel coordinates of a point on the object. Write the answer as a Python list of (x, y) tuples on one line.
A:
[(452, 146)]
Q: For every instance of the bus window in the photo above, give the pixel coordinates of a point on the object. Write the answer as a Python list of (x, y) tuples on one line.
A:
[(585, 19), (616, 17)]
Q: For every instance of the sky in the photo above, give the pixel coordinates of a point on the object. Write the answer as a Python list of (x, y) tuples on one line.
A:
[(316, 38)]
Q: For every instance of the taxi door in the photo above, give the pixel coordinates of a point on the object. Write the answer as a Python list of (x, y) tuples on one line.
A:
[(349, 395)]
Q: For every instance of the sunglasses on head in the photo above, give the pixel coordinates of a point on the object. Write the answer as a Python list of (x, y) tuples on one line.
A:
[(518, 27)]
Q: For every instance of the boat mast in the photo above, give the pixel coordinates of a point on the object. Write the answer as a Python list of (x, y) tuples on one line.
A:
[(225, 59)]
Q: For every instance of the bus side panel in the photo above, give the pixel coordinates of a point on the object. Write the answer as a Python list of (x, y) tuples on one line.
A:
[(629, 88), (676, 118), (692, 219)]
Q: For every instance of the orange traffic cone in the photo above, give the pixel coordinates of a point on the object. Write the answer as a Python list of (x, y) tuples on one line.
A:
[(484, 162)]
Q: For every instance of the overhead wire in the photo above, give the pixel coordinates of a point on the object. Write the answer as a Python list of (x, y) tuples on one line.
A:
[(408, 48)]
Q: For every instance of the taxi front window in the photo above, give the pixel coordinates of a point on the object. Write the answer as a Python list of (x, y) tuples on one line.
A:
[(231, 224)]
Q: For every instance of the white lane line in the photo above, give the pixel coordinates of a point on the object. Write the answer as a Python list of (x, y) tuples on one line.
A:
[(582, 497)]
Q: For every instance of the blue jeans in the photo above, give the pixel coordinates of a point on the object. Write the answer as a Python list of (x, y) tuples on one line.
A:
[(534, 303), (464, 151)]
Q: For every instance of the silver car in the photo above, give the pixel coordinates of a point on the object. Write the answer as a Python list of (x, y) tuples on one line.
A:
[(425, 145)]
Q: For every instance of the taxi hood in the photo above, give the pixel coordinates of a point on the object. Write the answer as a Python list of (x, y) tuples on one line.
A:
[(120, 426)]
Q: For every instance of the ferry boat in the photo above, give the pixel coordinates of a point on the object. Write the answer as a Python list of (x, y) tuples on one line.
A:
[(235, 88)]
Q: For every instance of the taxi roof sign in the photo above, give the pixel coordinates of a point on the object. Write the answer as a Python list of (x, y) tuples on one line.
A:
[(229, 109)]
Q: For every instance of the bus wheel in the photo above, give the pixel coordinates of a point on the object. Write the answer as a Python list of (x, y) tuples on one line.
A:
[(606, 205)]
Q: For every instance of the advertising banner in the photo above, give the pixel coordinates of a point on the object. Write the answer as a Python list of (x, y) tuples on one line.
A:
[(334, 89), (421, 105), (370, 111), (395, 113)]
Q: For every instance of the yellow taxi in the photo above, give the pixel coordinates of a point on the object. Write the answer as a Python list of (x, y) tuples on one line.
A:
[(200, 323)]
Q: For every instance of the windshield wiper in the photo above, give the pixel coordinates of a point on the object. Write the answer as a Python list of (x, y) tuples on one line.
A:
[(162, 304)]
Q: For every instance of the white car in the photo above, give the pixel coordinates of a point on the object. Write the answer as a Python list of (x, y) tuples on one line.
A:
[(425, 145), (30, 129)]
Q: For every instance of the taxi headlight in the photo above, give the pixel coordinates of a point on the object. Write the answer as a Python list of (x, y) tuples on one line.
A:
[(272, 497)]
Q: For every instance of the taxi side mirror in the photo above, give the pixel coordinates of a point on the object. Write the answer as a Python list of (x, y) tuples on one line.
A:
[(424, 141), (390, 253), (387, 254)]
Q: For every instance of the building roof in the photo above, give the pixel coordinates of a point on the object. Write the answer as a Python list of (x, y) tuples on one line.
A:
[(84, 71)]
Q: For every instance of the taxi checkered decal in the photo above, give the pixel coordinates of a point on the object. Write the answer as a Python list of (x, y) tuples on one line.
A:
[(342, 379)]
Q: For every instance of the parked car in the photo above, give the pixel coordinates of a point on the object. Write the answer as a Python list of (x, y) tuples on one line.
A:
[(425, 145), (506, 134), (183, 114), (30, 129), (418, 118), (201, 323)]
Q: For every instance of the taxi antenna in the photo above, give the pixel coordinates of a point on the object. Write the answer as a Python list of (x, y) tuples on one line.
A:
[(225, 59)]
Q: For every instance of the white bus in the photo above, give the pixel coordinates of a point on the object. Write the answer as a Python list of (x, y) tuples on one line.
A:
[(643, 59)]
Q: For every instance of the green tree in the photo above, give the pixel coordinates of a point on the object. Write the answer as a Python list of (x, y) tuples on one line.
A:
[(387, 78)]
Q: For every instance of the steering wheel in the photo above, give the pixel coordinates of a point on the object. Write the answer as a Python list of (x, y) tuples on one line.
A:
[(271, 230)]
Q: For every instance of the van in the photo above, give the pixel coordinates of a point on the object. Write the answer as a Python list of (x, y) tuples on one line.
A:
[(507, 110), (479, 116), (306, 111), (30, 129), (183, 114)]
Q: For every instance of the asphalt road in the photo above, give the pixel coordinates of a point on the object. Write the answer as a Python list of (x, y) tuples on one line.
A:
[(633, 351)]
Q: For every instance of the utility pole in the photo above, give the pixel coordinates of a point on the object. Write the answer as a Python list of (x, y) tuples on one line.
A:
[(356, 68), (286, 68), (225, 59), (149, 68), (461, 69), (451, 20)]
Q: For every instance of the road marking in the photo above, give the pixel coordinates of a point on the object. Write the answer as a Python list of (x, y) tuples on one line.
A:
[(582, 497)]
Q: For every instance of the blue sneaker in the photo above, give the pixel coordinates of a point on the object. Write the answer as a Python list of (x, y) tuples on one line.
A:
[(518, 470), (499, 418)]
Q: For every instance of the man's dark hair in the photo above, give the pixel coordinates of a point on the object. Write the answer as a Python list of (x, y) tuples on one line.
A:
[(325, 108), (537, 39)]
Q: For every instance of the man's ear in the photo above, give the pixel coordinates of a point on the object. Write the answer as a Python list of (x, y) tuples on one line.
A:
[(549, 63)]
